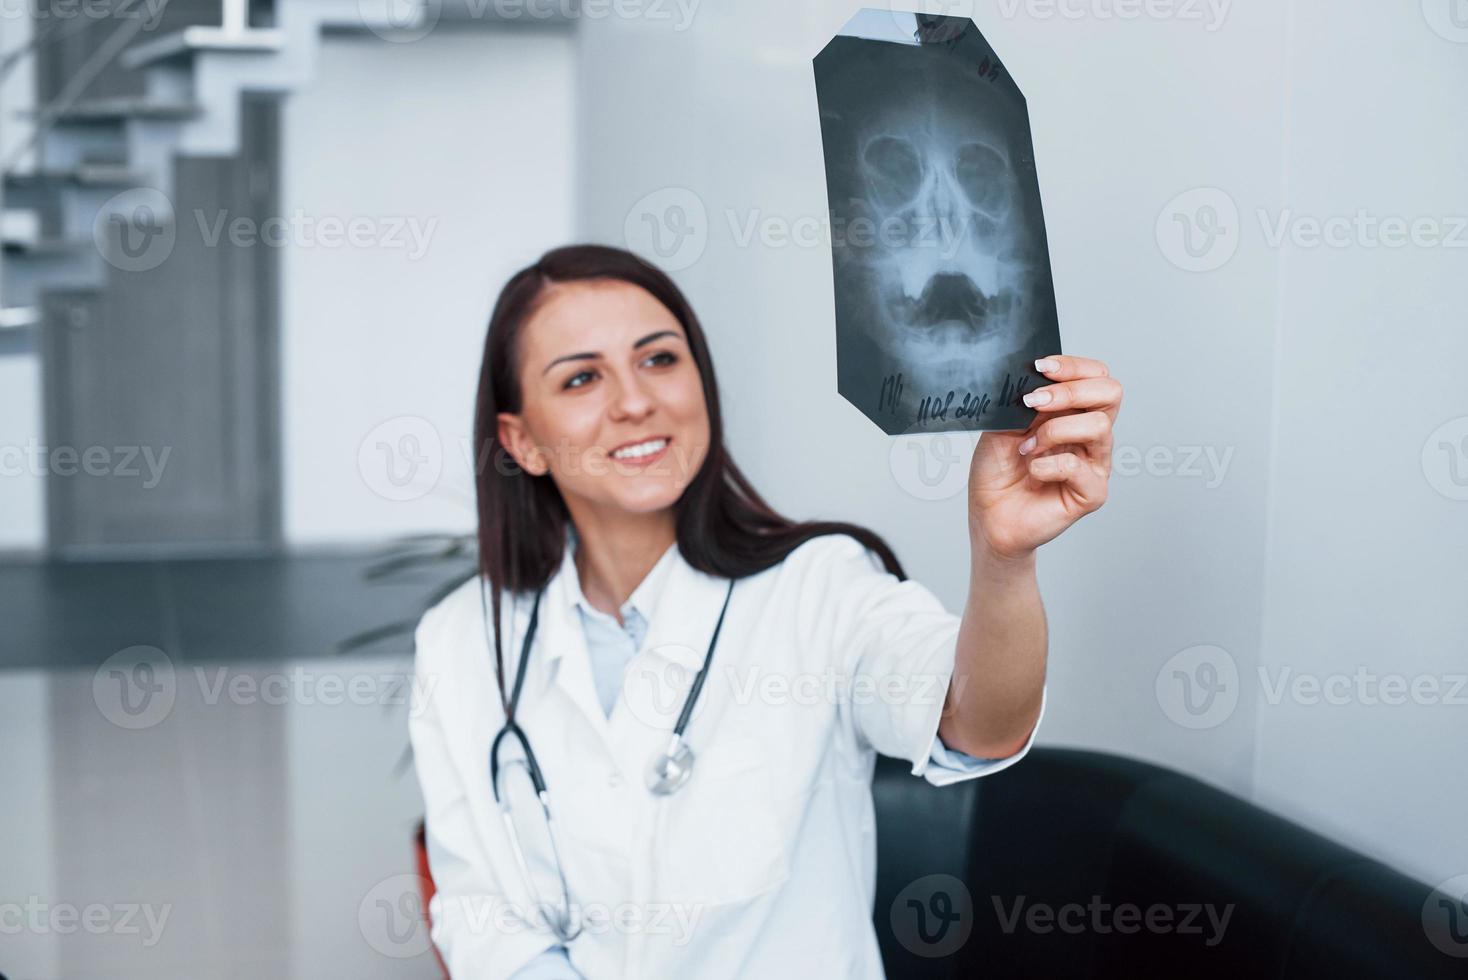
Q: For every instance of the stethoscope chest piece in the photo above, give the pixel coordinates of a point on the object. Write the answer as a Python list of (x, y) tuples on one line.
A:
[(670, 770)]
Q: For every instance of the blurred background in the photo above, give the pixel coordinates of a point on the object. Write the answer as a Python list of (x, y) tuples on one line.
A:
[(250, 249)]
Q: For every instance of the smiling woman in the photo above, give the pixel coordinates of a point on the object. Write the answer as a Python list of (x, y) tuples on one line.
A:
[(591, 353), (622, 555)]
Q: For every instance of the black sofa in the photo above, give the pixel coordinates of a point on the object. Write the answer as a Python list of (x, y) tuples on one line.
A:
[(1064, 856)]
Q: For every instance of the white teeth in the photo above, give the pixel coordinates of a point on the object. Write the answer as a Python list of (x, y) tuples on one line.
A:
[(641, 449)]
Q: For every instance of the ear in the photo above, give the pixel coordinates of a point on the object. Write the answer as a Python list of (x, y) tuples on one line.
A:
[(517, 442)]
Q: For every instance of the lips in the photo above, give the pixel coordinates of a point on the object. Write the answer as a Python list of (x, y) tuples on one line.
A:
[(639, 442)]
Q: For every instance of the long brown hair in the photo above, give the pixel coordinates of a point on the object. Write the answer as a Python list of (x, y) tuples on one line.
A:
[(724, 527)]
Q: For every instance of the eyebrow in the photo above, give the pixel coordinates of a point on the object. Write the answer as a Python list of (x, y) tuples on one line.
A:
[(593, 355)]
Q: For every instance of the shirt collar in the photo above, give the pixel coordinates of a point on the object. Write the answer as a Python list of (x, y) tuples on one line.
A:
[(644, 598), (679, 633)]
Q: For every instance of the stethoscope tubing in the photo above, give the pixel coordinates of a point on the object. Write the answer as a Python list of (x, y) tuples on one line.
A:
[(677, 759)]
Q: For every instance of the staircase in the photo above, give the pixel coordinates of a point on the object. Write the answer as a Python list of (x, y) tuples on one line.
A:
[(103, 167)]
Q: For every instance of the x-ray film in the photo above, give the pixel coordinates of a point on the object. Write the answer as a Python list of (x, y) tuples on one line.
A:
[(941, 266)]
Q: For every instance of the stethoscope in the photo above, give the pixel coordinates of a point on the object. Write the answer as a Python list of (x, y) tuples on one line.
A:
[(668, 772)]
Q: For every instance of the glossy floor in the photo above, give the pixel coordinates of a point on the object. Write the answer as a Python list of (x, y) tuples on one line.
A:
[(258, 826), (192, 789)]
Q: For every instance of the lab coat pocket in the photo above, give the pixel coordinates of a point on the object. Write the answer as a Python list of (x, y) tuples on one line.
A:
[(720, 834)]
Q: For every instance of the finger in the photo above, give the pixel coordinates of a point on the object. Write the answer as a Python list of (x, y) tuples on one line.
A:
[(1099, 458), (1103, 393), (1089, 430), (1068, 367), (1088, 486)]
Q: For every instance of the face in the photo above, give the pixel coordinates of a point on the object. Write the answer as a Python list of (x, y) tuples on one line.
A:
[(612, 402)]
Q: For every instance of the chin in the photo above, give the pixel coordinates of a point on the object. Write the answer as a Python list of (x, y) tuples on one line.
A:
[(648, 499), (641, 508)]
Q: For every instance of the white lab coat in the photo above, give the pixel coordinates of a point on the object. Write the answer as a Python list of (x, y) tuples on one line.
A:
[(763, 865)]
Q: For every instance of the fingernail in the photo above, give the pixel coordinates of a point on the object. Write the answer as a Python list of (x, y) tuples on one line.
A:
[(1046, 364), (1037, 398), (1027, 445)]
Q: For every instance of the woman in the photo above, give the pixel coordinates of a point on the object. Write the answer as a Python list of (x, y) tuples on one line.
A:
[(665, 595)]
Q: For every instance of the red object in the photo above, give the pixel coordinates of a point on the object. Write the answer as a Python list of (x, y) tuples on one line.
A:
[(420, 848)]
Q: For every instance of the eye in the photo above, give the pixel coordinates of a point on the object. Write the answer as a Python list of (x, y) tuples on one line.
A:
[(571, 381), (662, 358), (895, 169)]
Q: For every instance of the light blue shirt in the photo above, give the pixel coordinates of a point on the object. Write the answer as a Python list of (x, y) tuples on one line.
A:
[(611, 646)]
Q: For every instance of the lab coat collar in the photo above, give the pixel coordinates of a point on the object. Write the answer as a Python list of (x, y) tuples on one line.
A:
[(682, 606)]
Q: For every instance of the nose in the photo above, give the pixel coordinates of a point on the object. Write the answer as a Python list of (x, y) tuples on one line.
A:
[(632, 401)]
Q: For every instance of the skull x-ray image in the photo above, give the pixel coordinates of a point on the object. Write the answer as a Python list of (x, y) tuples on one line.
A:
[(942, 269)]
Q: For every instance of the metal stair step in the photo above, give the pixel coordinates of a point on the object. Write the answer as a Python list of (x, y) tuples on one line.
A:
[(19, 317), (86, 175), (45, 246), (122, 108), (192, 40), (19, 224)]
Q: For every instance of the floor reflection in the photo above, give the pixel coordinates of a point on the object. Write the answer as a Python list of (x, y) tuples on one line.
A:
[(259, 824)]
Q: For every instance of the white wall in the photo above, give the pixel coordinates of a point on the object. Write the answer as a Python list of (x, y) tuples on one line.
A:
[(1252, 358), (18, 93), (1368, 517), (466, 135)]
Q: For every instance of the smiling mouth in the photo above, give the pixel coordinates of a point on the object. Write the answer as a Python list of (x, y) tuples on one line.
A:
[(642, 453)]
